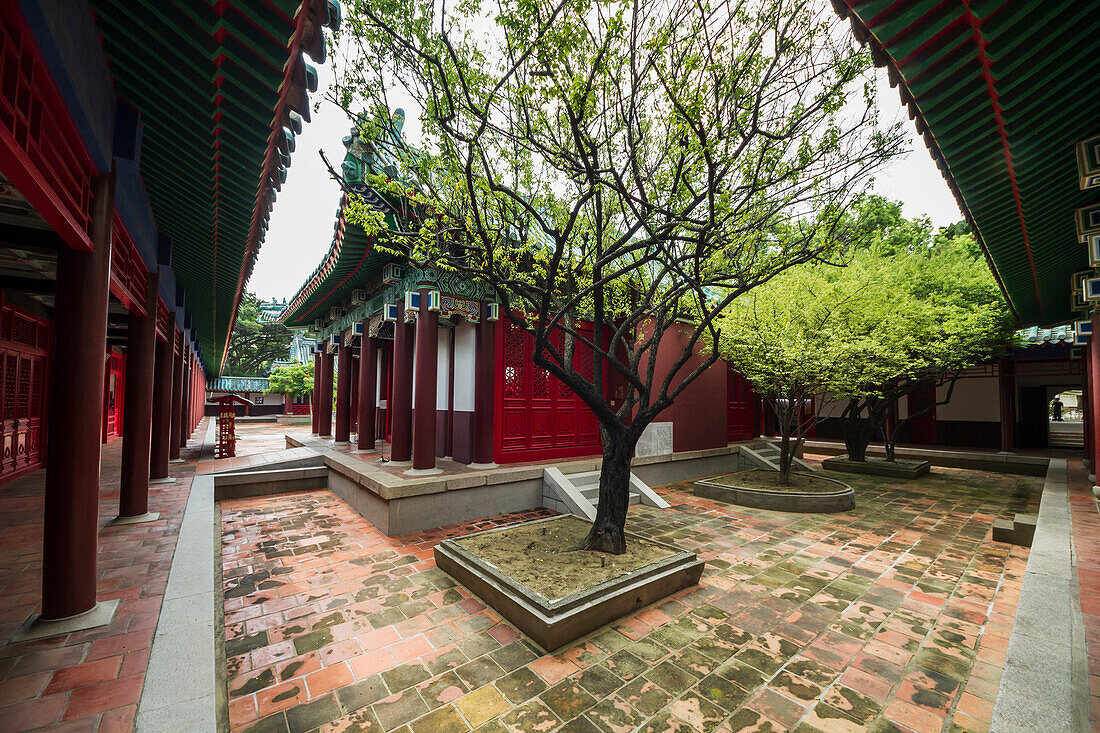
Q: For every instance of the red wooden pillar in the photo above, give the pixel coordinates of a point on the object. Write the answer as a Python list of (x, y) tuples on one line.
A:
[(137, 419), (324, 396), (427, 356), (400, 405), (1007, 383), (354, 403), (160, 451), (71, 514), (1086, 413), (185, 404), (368, 364), (313, 396), (1093, 373), (288, 402), (343, 395), (484, 392), (177, 397)]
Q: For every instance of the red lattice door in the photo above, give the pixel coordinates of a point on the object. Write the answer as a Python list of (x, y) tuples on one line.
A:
[(23, 343), (538, 416)]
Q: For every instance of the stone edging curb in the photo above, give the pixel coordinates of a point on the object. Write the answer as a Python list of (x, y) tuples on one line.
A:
[(1045, 682)]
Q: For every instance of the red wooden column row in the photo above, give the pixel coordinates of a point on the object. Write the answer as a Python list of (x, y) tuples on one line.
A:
[(368, 367), (400, 405), (71, 512), (1093, 377), (353, 412), (484, 392), (314, 396), (177, 398), (137, 419), (324, 396), (343, 394), (1086, 412), (160, 452)]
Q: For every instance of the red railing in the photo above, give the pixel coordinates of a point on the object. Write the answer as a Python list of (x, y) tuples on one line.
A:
[(41, 150)]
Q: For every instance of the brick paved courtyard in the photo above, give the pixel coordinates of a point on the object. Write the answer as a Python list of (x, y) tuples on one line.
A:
[(88, 680), (893, 617)]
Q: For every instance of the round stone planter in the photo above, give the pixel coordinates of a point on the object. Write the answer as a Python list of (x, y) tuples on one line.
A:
[(724, 488)]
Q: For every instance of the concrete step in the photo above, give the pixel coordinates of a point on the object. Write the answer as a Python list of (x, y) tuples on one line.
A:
[(1017, 531), (585, 479), (1057, 440), (593, 495)]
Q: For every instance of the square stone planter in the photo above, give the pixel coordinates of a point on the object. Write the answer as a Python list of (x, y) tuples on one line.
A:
[(557, 622), (899, 468)]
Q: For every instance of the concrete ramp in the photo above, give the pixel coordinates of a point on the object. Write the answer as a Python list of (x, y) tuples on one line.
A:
[(579, 493), (765, 454), (288, 458)]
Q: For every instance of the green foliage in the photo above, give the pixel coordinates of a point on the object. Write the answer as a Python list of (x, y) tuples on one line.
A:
[(296, 379), (904, 311), (253, 345)]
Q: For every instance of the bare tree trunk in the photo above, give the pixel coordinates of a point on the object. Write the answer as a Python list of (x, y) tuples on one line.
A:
[(607, 533), (858, 431), (785, 458)]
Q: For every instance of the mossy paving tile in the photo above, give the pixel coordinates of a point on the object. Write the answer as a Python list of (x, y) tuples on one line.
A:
[(747, 720), (520, 685), (670, 678), (531, 717), (567, 699), (644, 695), (614, 716), (855, 705), (721, 692), (441, 690), (599, 681), (443, 720)]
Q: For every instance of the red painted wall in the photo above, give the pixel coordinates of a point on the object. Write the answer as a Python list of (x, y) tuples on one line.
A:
[(698, 416)]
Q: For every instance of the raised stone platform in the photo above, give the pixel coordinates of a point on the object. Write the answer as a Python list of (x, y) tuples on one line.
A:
[(398, 504), (948, 457), (554, 623), (899, 468), (724, 488)]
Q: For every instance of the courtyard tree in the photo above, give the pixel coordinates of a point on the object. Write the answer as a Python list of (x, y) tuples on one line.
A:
[(254, 344), (611, 170), (811, 335), (950, 315), (293, 379)]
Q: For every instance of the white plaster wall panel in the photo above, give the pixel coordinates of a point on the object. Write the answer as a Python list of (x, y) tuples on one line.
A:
[(465, 363), (831, 407), (974, 400), (443, 369)]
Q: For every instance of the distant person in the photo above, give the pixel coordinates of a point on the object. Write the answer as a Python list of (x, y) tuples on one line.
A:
[(1056, 409)]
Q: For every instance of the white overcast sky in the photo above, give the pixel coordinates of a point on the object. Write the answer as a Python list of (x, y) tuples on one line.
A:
[(305, 211)]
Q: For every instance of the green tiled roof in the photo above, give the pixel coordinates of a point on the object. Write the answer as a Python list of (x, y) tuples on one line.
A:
[(237, 384), (219, 85), (1002, 91)]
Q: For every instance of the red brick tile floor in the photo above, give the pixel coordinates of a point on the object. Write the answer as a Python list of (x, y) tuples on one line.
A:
[(892, 617), (88, 680), (1086, 528)]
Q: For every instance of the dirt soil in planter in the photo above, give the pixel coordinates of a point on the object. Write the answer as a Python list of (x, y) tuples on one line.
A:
[(759, 478), (549, 564)]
